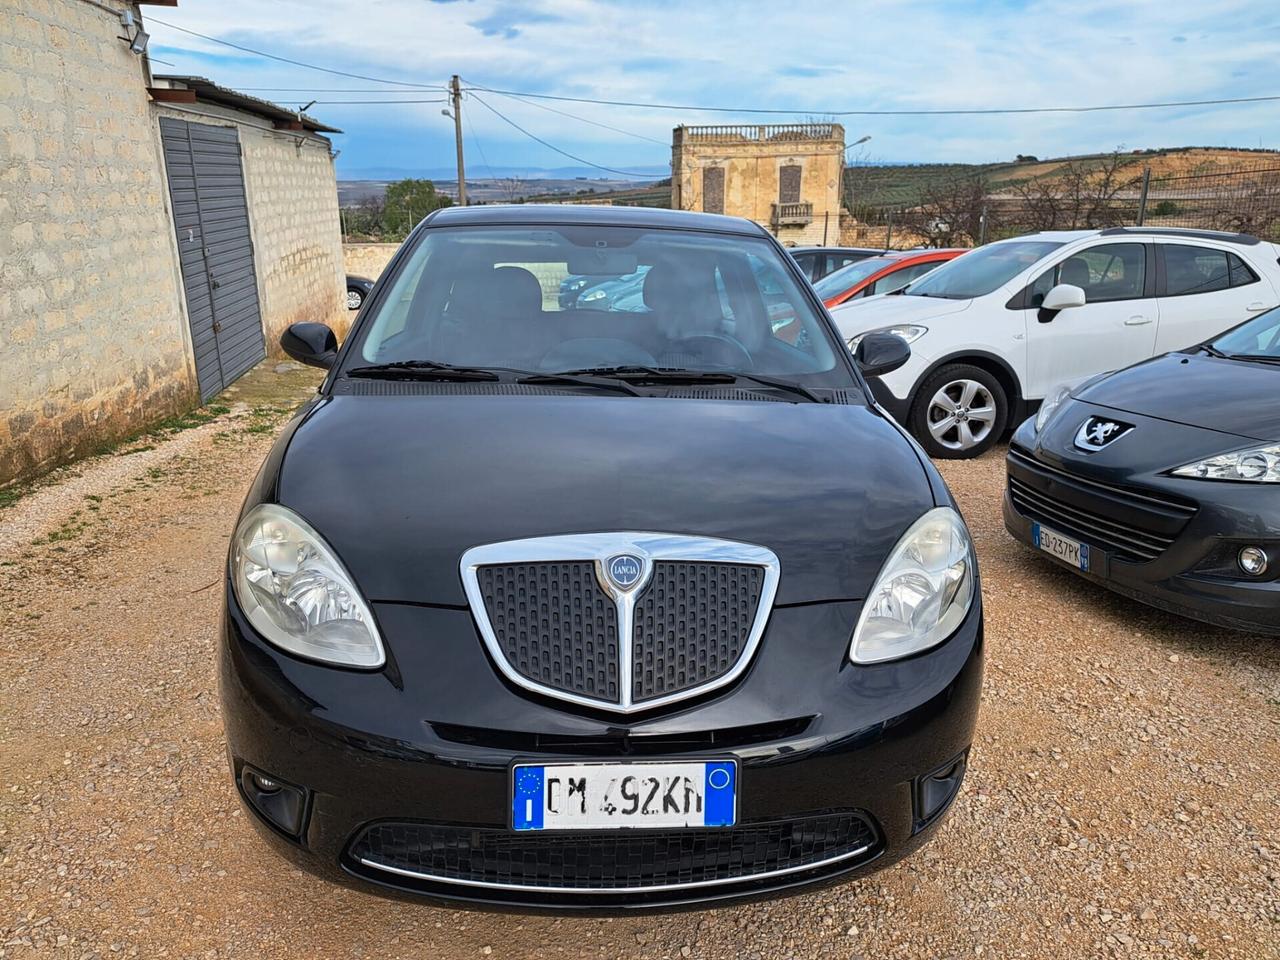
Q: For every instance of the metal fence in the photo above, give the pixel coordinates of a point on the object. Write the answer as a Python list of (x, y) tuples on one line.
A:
[(968, 209)]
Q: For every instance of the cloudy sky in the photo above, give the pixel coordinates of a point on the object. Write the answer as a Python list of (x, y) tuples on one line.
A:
[(811, 57)]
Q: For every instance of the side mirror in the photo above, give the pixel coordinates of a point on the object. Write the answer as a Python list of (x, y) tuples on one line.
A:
[(881, 353), (1063, 297), (311, 343)]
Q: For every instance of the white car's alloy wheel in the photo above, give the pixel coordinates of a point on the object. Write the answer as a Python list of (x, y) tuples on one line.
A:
[(961, 414)]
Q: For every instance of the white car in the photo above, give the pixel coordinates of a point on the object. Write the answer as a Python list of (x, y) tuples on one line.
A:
[(997, 330)]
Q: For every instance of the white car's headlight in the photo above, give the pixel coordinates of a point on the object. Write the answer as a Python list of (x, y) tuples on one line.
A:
[(910, 332), (1254, 465), (297, 594), (922, 594), (1052, 402)]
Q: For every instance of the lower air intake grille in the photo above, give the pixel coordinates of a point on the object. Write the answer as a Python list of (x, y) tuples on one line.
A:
[(629, 860)]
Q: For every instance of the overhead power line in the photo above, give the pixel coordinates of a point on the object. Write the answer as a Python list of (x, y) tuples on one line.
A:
[(594, 123), (296, 63), (811, 111), (436, 100), (564, 153)]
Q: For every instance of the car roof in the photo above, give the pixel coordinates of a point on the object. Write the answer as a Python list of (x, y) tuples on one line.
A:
[(874, 251), (592, 215), (922, 253), (1066, 236)]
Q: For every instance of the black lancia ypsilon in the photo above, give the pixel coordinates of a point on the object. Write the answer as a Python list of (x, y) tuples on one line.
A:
[(622, 603)]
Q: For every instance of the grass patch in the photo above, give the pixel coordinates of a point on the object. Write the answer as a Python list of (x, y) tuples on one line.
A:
[(11, 495)]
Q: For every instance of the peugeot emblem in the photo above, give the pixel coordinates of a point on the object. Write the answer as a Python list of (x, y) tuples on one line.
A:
[(1096, 432), (624, 571)]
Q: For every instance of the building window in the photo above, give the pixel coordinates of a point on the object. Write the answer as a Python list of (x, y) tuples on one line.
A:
[(713, 189), (789, 183)]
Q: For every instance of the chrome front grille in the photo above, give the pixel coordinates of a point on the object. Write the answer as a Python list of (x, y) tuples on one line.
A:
[(691, 621), (555, 625), (621, 621), (1133, 525)]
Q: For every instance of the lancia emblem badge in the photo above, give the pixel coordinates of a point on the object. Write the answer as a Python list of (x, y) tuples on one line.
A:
[(624, 571), (1096, 432)]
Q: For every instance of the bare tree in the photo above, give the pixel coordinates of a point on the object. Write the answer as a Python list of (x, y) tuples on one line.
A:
[(512, 187), (1251, 204), (950, 212), (1078, 195)]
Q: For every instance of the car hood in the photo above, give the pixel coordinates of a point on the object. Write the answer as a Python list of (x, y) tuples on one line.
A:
[(401, 486), (1229, 396), (859, 316)]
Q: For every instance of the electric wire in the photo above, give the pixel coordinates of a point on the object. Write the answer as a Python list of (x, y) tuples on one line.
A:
[(565, 153), (296, 63)]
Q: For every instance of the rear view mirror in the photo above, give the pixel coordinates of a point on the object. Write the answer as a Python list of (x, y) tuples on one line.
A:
[(1063, 297), (881, 353), (311, 343)]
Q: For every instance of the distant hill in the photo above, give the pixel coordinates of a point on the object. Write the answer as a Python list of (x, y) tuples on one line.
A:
[(905, 184)]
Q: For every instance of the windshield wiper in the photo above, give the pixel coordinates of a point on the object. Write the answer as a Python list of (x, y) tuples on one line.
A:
[(580, 380), (1253, 357), (679, 375), (789, 386), (421, 370), (1213, 351)]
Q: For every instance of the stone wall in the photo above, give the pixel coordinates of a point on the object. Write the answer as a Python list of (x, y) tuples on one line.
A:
[(368, 259), (93, 339)]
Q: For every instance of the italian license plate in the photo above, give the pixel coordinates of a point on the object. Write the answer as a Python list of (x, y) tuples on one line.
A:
[(1064, 548), (613, 796)]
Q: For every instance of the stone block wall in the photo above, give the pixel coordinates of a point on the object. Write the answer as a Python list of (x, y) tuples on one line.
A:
[(368, 259), (92, 333)]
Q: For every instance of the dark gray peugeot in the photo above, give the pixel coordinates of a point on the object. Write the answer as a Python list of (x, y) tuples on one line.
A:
[(1162, 481), (544, 607)]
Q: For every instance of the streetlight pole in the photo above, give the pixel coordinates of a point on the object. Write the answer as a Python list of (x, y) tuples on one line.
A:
[(455, 93)]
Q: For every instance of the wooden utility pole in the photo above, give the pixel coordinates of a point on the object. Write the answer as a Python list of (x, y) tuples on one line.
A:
[(455, 92)]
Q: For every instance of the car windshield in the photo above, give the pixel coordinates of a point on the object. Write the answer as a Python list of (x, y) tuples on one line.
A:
[(560, 298), (1258, 338), (846, 278), (979, 272)]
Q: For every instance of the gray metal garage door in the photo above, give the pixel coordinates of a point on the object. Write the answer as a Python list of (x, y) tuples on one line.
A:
[(206, 185)]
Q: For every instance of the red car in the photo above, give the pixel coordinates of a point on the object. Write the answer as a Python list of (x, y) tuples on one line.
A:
[(883, 274)]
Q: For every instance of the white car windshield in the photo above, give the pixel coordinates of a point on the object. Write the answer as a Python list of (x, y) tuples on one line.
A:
[(981, 271)]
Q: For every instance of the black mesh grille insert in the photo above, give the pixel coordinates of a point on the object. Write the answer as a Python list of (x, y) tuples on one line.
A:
[(555, 624), (625, 860), (691, 623)]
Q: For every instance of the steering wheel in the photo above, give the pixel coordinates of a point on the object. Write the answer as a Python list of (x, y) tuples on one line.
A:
[(712, 345)]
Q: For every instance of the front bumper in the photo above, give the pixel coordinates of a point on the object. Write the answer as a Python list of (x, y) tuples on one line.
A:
[(1187, 569), (427, 744)]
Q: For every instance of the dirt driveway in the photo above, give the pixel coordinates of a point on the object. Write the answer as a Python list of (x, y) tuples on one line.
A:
[(1124, 797)]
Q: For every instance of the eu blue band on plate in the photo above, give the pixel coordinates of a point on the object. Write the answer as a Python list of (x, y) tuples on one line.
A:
[(1084, 556), (721, 789), (527, 799)]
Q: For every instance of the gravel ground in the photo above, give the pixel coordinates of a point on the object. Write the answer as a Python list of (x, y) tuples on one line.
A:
[(1123, 798)]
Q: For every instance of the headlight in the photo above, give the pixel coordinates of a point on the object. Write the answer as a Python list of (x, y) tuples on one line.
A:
[(593, 295), (1255, 465), (910, 332), (296, 593), (922, 594), (1051, 403)]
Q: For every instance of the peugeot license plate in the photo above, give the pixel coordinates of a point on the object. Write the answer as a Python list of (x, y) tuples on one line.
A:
[(612, 796), (1064, 548)]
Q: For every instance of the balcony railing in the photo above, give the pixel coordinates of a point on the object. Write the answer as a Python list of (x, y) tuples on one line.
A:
[(759, 133), (791, 214)]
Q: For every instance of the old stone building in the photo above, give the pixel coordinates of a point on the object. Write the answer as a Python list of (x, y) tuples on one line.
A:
[(785, 177), (156, 234)]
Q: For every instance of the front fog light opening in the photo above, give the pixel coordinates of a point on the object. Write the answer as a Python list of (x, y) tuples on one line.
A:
[(1253, 561), (280, 805), (935, 791)]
